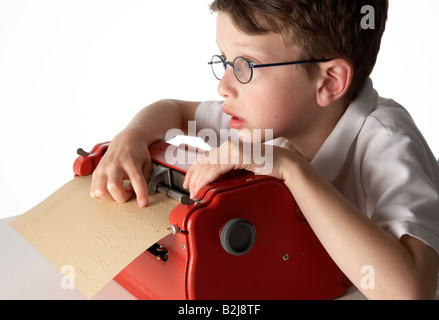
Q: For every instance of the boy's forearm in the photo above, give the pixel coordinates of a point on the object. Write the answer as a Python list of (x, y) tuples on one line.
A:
[(153, 121), (354, 241)]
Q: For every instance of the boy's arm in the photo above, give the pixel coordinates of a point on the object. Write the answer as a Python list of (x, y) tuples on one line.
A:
[(403, 269), (127, 157)]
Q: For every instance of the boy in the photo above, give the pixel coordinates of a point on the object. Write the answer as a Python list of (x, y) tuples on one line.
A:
[(358, 168)]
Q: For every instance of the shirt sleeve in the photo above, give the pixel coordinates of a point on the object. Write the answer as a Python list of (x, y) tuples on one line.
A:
[(401, 180)]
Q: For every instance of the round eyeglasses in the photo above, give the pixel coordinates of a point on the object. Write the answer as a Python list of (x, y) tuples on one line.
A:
[(243, 68)]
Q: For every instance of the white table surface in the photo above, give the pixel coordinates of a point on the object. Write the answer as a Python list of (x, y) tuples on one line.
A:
[(26, 275)]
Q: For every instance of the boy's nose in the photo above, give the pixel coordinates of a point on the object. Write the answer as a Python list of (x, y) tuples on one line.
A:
[(227, 85)]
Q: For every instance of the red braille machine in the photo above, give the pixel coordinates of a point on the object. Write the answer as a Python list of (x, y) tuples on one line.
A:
[(242, 240)]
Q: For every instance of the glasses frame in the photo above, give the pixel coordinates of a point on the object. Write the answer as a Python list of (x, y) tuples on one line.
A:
[(253, 65)]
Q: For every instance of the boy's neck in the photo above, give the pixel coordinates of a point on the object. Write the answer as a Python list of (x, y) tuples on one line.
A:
[(310, 142)]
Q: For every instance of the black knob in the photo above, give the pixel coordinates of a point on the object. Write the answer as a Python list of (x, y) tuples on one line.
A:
[(238, 236)]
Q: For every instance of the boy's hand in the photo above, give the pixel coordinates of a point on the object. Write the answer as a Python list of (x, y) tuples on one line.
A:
[(127, 158), (234, 155)]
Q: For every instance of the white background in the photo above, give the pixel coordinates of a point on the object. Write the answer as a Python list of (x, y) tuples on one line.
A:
[(73, 73)]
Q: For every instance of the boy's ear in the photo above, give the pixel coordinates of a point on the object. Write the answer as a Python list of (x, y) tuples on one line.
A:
[(335, 78)]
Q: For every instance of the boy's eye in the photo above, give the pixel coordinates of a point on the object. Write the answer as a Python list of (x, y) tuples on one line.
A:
[(250, 61)]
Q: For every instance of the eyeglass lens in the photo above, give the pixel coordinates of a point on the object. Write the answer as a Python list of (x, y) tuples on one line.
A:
[(218, 67), (241, 68)]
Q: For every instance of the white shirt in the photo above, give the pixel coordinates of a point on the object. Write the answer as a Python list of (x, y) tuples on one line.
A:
[(378, 159)]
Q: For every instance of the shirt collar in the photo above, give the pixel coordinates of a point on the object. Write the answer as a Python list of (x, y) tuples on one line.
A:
[(331, 157)]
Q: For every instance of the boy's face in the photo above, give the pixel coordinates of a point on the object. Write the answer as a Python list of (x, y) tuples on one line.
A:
[(281, 98)]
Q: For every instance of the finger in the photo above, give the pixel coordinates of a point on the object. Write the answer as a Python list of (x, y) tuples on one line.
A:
[(139, 186), (188, 176), (193, 181), (201, 176), (115, 187), (196, 172), (93, 187), (98, 189)]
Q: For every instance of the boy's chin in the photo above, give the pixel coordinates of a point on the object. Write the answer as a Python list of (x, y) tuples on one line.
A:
[(255, 135)]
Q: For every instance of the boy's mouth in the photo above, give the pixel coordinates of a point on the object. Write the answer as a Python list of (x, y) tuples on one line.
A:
[(235, 122)]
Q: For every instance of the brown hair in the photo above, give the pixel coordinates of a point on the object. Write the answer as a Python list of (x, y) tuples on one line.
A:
[(320, 29)]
